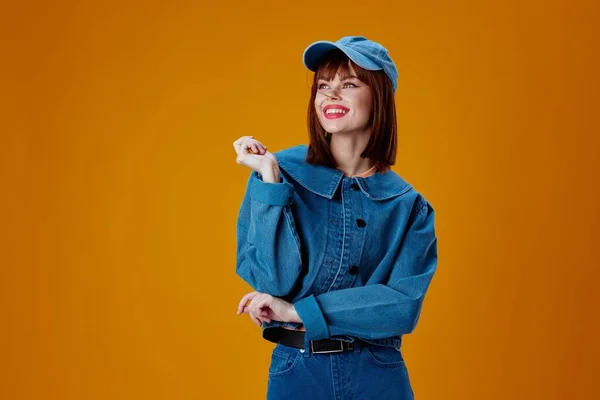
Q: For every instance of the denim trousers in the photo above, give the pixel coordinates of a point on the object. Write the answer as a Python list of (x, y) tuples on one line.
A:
[(366, 372)]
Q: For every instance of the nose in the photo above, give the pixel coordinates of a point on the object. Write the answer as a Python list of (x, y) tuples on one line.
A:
[(334, 96), (332, 93)]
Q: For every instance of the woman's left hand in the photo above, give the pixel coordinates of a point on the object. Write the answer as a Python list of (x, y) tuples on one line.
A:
[(267, 307)]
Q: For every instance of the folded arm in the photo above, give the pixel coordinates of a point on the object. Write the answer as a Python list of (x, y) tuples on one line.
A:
[(268, 246), (380, 310)]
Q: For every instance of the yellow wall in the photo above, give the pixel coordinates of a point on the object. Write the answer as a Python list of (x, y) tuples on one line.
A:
[(120, 191)]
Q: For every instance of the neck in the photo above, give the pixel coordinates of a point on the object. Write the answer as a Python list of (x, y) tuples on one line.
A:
[(346, 149)]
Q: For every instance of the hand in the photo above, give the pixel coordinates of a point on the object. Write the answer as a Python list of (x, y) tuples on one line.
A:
[(265, 307), (253, 154)]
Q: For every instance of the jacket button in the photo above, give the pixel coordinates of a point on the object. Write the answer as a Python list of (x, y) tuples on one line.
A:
[(360, 223), (354, 186), (353, 270)]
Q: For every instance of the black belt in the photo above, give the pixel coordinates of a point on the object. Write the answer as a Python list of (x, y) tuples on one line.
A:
[(296, 339)]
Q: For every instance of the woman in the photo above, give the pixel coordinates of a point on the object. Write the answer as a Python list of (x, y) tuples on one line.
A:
[(339, 248)]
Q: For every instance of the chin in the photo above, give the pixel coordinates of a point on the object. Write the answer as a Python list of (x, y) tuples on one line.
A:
[(332, 129), (336, 131)]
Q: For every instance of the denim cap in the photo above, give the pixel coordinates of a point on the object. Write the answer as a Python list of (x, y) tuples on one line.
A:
[(364, 52)]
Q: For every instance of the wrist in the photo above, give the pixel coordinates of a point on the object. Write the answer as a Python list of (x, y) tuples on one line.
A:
[(270, 174), (293, 315)]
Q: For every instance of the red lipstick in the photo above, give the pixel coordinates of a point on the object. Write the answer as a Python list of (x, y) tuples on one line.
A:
[(337, 114)]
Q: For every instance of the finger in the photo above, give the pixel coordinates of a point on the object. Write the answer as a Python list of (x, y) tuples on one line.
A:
[(265, 316), (263, 148), (244, 300), (255, 306), (252, 318), (255, 319), (253, 146), (237, 145), (245, 148), (260, 301), (241, 304), (259, 145)]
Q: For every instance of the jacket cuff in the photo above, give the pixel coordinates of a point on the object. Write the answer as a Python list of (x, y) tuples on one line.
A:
[(275, 194), (313, 319)]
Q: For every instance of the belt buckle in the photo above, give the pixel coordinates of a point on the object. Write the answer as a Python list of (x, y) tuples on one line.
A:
[(341, 349)]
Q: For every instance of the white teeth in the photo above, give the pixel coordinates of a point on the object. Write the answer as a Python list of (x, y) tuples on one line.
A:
[(335, 111)]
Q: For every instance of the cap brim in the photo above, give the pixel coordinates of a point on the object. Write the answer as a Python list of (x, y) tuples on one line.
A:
[(314, 53)]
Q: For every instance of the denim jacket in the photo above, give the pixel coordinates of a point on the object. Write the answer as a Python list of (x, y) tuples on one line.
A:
[(354, 255)]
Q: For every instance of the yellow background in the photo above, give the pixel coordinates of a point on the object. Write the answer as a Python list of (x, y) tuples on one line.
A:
[(120, 190)]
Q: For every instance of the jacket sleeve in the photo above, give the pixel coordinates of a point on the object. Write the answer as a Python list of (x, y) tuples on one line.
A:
[(376, 311), (268, 247)]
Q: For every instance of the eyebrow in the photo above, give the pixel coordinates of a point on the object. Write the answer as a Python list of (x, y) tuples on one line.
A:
[(343, 78)]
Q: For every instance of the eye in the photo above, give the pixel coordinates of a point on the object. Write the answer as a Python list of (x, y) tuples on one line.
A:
[(320, 86)]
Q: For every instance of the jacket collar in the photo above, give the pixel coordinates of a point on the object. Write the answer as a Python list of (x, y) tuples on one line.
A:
[(324, 181)]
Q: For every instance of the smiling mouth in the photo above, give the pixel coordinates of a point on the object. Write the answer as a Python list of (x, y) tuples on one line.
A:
[(334, 113)]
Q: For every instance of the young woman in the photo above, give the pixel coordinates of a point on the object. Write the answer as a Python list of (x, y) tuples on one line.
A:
[(339, 248)]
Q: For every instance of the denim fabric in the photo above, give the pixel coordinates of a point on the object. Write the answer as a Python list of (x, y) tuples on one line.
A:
[(365, 373), (364, 52), (354, 255)]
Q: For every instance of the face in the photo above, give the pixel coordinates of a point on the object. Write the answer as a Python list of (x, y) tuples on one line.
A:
[(344, 104)]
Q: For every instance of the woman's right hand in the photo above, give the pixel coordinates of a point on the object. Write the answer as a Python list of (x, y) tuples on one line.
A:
[(253, 154)]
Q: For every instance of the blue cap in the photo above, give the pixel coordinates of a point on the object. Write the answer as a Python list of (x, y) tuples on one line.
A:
[(364, 52)]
